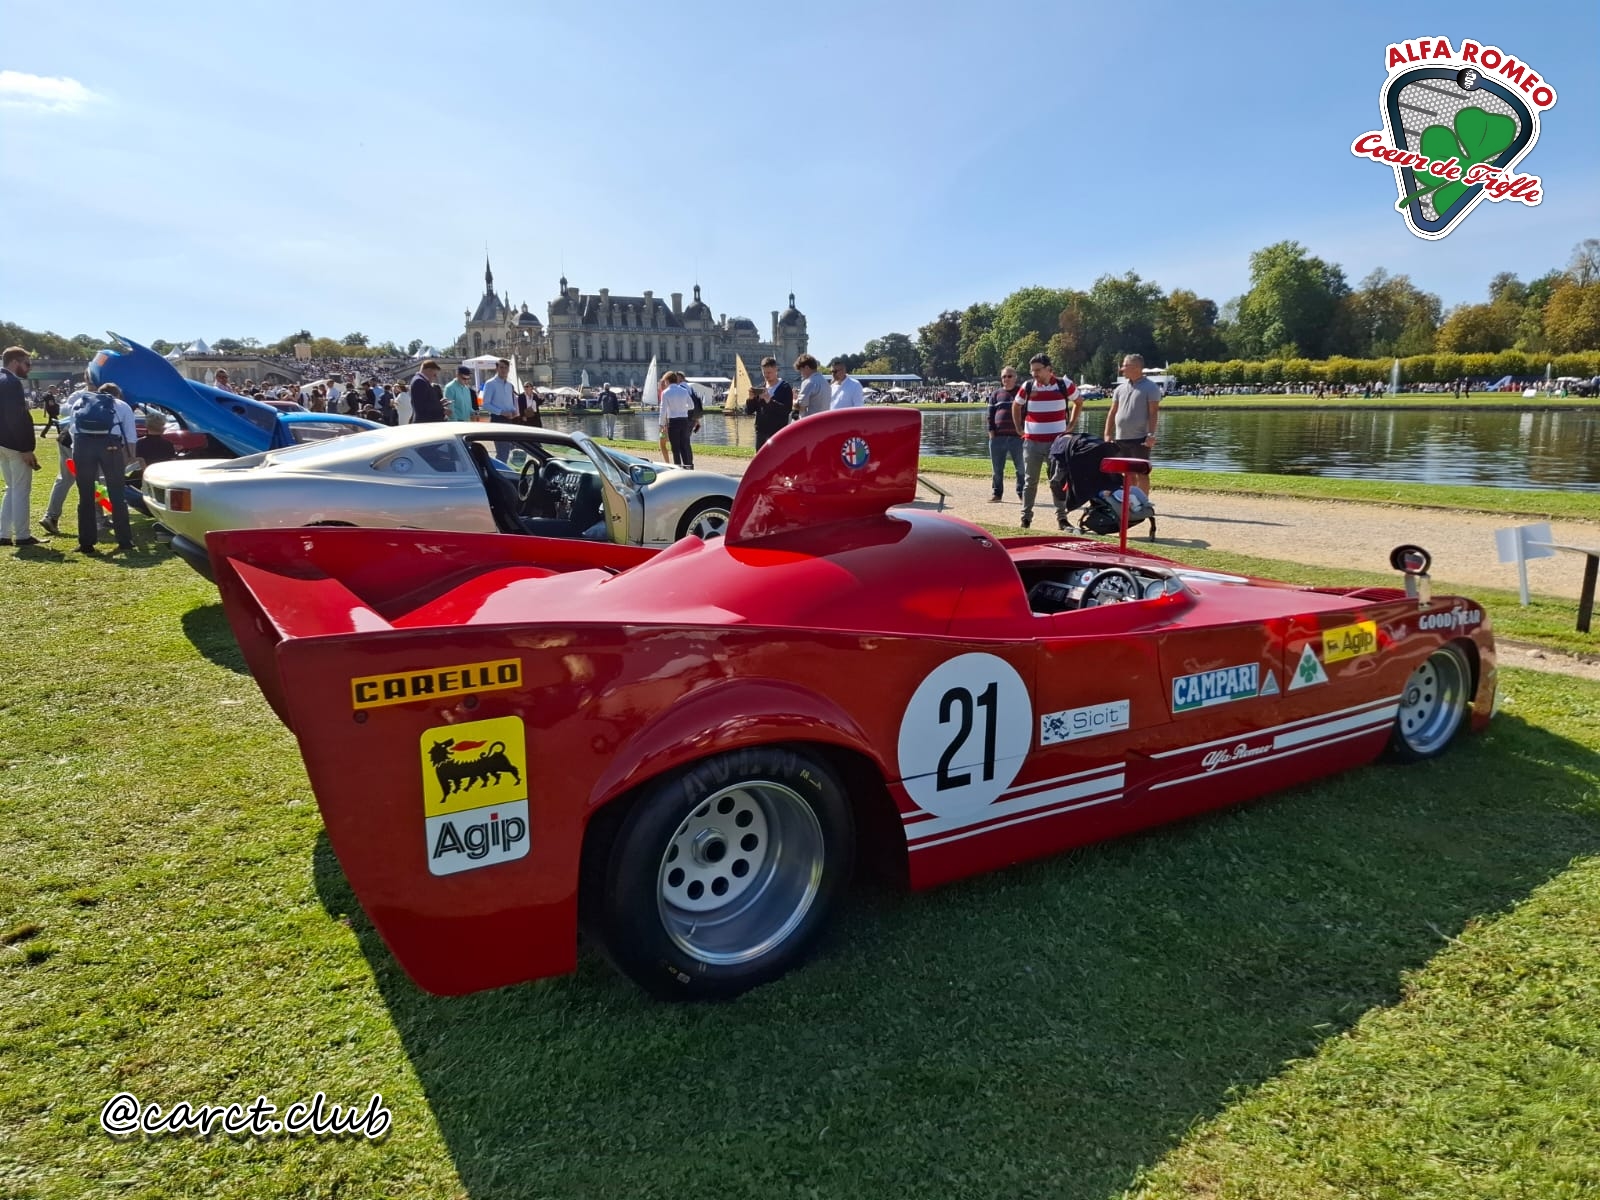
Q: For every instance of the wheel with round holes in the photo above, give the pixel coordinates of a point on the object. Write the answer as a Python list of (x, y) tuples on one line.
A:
[(722, 876), (1433, 706)]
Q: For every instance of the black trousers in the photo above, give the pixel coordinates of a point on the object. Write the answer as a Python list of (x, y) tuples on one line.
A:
[(678, 429), (94, 456)]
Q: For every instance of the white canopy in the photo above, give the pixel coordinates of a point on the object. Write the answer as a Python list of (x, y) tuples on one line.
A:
[(483, 361), (566, 391), (198, 346)]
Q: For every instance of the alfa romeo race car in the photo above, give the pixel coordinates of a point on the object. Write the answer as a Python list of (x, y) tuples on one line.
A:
[(685, 747)]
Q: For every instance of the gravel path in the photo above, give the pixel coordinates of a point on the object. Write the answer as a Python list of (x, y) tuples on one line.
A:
[(1327, 533)]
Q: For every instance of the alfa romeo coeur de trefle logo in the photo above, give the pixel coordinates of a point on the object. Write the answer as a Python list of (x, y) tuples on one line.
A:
[(1455, 125)]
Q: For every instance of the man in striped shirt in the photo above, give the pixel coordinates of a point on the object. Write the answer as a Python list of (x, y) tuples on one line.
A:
[(1040, 411)]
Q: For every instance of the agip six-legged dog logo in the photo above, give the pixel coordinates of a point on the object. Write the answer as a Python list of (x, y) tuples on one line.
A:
[(475, 794), (1455, 125)]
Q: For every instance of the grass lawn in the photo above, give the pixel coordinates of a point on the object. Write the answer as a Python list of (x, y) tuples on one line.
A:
[(1386, 985)]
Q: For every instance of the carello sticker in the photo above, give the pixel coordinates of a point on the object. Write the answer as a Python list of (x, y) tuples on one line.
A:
[(1349, 641), (475, 794), (402, 687), (1221, 686)]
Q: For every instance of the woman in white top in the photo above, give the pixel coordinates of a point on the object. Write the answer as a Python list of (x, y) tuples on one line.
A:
[(677, 418)]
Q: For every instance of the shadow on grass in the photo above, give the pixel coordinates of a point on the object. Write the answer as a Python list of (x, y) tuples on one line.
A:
[(1046, 1030), (208, 631)]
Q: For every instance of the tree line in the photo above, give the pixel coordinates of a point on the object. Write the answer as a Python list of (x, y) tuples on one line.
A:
[(83, 346), (1298, 308)]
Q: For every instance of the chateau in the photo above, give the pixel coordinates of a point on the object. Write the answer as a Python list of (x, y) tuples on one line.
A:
[(613, 338)]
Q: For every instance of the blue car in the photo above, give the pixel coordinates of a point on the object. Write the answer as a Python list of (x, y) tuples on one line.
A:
[(236, 425)]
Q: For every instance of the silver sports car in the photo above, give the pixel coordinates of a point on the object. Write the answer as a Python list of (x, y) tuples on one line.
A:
[(441, 476)]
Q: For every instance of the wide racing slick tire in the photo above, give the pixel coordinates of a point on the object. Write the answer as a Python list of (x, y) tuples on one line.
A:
[(723, 875), (1433, 706), (706, 519)]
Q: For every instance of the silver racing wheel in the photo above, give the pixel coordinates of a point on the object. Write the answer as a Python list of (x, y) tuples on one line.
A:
[(720, 877), (1433, 705)]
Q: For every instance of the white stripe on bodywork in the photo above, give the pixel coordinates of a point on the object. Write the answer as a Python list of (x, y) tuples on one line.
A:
[(1034, 816), (1109, 779), (1264, 730)]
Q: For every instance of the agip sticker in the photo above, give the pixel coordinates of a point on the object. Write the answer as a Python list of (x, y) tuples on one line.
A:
[(1349, 641), (475, 794)]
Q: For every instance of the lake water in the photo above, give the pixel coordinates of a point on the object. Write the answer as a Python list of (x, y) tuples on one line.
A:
[(1548, 450)]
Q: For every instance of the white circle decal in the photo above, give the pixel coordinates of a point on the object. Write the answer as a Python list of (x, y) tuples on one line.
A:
[(965, 734)]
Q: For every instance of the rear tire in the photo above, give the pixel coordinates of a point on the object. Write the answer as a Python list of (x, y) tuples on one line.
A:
[(723, 875), (1433, 706), (707, 519)]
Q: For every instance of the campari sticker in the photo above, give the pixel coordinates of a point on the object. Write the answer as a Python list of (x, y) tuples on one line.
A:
[(1457, 119)]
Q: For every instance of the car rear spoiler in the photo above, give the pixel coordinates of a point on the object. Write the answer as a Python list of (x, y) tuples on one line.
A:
[(278, 585), (844, 465)]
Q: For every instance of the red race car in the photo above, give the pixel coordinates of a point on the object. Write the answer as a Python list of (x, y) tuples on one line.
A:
[(686, 746)]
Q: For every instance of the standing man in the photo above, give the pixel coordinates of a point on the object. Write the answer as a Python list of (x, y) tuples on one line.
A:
[(427, 402), (1004, 440), (608, 410), (1131, 423), (844, 392), (530, 407), (458, 395), (772, 406), (813, 397), (499, 400), (17, 459), (221, 381), (676, 413), (103, 431), (63, 483), (1040, 412)]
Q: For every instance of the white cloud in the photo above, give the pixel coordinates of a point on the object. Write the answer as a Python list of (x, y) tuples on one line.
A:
[(44, 93)]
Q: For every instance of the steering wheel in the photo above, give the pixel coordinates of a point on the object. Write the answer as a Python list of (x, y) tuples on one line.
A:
[(1111, 586), (528, 479)]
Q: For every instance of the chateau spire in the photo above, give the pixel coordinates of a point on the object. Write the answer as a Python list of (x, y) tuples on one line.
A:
[(488, 275)]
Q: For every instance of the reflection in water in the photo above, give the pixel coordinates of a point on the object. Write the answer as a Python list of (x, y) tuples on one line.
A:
[(1552, 450)]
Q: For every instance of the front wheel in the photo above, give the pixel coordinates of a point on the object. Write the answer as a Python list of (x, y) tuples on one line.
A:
[(1433, 706), (721, 877), (707, 519)]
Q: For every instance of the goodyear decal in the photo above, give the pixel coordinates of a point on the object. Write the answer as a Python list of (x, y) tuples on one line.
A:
[(375, 691), (1216, 687), (1454, 619), (475, 794), (1349, 641)]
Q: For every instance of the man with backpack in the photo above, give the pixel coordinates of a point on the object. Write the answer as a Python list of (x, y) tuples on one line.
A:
[(103, 430), (1040, 412)]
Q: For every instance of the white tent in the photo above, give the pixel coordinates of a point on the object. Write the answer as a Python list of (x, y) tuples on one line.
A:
[(175, 356), (198, 346)]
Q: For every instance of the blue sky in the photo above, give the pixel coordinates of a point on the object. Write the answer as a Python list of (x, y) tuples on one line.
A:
[(248, 169)]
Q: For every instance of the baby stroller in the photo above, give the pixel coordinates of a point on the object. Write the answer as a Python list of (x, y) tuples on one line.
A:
[(1075, 467)]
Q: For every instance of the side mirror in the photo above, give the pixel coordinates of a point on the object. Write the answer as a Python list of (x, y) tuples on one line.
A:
[(1413, 563), (641, 475)]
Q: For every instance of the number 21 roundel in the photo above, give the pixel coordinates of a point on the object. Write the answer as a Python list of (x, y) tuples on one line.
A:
[(965, 734)]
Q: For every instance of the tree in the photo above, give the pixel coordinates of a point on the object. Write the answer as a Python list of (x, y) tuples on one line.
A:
[(939, 346), (162, 346), (387, 350), (1506, 286), (413, 346), (250, 343), (900, 351), (1021, 350), (227, 345), (1123, 310), (1584, 268), (976, 353), (1186, 328), (882, 365), (1477, 329), (1292, 303), (1034, 310), (286, 345), (1389, 315), (354, 339), (1572, 318)]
